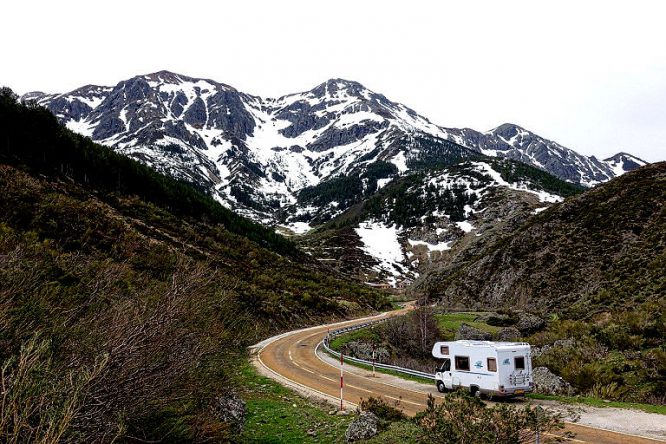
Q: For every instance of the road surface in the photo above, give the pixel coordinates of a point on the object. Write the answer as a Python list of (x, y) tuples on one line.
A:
[(292, 360)]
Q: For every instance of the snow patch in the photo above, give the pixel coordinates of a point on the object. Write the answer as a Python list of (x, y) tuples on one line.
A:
[(298, 227), (381, 242), (465, 226), (441, 246)]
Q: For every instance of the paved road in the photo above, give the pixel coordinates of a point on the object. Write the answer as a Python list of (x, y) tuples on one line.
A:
[(292, 360)]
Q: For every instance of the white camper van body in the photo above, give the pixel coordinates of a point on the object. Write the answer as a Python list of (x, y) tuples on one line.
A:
[(501, 369)]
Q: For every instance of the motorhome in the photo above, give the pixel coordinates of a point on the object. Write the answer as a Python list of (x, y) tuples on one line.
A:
[(494, 369)]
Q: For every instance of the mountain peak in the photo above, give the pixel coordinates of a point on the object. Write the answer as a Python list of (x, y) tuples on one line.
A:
[(507, 127), (623, 162), (333, 87), (625, 156)]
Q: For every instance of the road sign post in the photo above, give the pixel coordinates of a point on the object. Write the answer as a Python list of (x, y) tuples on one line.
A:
[(373, 360), (342, 384)]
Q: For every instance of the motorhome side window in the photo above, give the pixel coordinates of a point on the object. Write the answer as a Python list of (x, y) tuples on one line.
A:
[(444, 349), (519, 362), (462, 363), (446, 366), (492, 365)]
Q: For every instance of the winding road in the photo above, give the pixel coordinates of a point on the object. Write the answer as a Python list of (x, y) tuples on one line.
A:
[(293, 360)]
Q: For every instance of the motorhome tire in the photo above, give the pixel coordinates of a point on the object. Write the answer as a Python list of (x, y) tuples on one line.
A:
[(474, 391), (441, 388)]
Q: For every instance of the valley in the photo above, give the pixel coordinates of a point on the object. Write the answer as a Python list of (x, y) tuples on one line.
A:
[(226, 218)]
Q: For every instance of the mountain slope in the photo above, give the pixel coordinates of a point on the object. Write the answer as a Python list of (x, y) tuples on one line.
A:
[(430, 218), (127, 305), (602, 250), (512, 141), (255, 155)]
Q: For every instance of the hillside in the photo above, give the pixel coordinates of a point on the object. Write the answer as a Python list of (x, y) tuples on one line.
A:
[(602, 250), (593, 266), (258, 155), (432, 217), (127, 299)]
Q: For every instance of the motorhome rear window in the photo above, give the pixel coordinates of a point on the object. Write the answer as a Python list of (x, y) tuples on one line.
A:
[(492, 365), (462, 363), (444, 349), (519, 362)]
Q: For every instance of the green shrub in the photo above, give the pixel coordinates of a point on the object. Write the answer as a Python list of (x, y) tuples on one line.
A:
[(382, 409), (461, 418)]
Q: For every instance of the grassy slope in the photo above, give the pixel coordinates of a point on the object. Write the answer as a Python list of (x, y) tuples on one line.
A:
[(276, 414), (449, 323), (159, 297), (598, 251)]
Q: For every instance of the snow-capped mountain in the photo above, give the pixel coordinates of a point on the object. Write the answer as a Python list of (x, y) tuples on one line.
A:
[(512, 141), (256, 154)]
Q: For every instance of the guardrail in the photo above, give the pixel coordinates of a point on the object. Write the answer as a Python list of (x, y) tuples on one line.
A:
[(407, 371)]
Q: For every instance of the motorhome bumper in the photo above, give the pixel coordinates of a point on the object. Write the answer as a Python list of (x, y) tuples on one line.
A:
[(513, 392)]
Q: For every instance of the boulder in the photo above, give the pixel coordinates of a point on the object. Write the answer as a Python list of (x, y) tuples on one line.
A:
[(548, 383), (231, 409), (510, 334), (529, 323), (365, 426), (468, 332)]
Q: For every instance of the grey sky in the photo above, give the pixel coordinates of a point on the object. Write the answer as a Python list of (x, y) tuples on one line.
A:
[(590, 75)]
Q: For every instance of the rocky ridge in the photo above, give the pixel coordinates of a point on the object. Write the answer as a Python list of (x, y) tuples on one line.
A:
[(257, 154)]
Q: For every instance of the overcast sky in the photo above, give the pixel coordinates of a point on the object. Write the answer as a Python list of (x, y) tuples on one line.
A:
[(590, 75)]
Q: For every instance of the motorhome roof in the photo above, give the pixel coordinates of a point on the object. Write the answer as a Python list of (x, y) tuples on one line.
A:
[(493, 344)]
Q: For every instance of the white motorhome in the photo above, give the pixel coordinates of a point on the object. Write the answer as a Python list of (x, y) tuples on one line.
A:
[(495, 369)]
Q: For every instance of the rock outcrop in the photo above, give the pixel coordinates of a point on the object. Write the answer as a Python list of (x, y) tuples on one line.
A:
[(466, 331), (365, 426), (548, 383)]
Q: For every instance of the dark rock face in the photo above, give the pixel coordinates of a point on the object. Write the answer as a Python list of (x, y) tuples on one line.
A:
[(109, 126), (303, 117), (548, 383), (67, 109), (196, 114), (227, 111), (232, 410), (514, 142), (466, 331), (529, 323), (365, 426), (509, 334), (334, 136)]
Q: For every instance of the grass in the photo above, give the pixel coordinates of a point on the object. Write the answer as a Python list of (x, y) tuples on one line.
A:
[(276, 414), (449, 323), (363, 334), (400, 432), (596, 402)]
